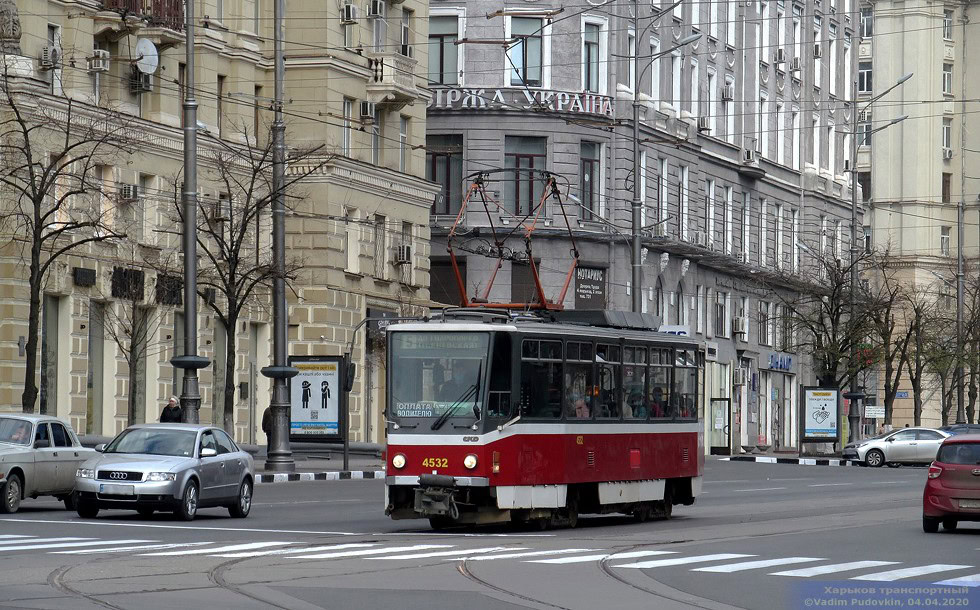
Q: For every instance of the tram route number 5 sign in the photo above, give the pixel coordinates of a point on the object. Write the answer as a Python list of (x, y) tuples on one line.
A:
[(821, 410), (315, 398)]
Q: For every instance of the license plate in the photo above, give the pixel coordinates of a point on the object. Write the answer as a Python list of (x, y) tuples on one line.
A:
[(117, 490), (969, 503)]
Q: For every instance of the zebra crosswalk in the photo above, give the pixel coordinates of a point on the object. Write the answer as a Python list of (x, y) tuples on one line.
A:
[(789, 566)]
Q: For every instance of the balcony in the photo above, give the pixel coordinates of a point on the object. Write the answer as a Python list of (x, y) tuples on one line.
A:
[(163, 20), (392, 80)]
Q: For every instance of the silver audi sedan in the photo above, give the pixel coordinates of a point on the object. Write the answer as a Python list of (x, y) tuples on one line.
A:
[(177, 468)]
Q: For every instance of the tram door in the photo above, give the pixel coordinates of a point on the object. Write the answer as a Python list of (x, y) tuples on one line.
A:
[(721, 426)]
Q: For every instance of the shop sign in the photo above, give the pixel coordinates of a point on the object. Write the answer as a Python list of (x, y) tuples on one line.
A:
[(377, 324), (522, 99), (590, 288), (780, 362), (675, 329), (821, 412), (902, 394), (874, 411)]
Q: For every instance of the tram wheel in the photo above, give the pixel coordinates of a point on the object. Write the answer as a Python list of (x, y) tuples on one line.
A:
[(440, 524), (642, 513), (571, 517)]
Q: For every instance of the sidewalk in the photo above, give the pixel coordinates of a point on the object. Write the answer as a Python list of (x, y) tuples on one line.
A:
[(326, 466), (791, 459)]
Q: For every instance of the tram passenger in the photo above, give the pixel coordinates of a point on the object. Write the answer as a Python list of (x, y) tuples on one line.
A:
[(579, 409), (635, 409), (658, 406)]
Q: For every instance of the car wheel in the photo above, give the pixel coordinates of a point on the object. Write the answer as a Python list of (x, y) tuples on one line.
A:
[(145, 511), (875, 458), (949, 524), (187, 509), (240, 509), (10, 494), (87, 510), (930, 525)]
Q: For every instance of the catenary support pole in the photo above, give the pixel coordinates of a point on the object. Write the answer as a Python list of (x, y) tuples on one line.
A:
[(636, 258)]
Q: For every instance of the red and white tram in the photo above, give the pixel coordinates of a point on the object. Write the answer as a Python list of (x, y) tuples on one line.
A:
[(495, 417)]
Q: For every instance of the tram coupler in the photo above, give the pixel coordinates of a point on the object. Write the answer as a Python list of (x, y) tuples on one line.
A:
[(435, 496)]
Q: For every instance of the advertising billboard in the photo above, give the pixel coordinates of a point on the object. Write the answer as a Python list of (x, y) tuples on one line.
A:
[(821, 414), (315, 398)]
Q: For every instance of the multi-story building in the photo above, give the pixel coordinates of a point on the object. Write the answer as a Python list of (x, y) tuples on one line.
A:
[(357, 226), (742, 171), (915, 173)]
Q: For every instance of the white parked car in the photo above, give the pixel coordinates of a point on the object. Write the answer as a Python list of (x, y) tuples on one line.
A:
[(39, 455), (902, 446)]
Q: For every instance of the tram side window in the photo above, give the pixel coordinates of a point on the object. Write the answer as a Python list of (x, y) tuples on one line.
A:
[(500, 377), (659, 394), (686, 385), (634, 383), (607, 359), (541, 379), (579, 388)]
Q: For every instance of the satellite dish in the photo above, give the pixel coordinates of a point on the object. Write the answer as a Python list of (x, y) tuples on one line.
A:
[(147, 58)]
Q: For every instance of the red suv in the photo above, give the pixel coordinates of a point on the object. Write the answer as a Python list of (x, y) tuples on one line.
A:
[(952, 492)]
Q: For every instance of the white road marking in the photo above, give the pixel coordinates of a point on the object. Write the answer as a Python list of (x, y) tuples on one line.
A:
[(220, 549), (761, 489), (144, 547), (830, 484), (833, 567), (676, 561), (489, 549), (963, 581), (752, 565), (59, 545), (312, 549), (607, 556), (394, 549), (516, 555), (6, 536), (910, 572), (10, 543)]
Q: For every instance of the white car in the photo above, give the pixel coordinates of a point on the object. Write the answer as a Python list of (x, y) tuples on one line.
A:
[(902, 446)]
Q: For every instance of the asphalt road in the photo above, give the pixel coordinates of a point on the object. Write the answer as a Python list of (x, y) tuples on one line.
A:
[(762, 536)]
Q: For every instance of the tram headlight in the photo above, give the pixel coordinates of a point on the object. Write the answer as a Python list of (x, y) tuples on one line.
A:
[(470, 461), (398, 461)]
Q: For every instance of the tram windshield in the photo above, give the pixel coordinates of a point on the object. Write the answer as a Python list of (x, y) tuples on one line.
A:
[(437, 379)]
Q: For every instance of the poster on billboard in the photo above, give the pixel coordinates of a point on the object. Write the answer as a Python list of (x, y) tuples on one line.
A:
[(821, 414), (315, 398)]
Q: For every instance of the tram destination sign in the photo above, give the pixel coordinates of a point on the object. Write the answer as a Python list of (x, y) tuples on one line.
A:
[(566, 102)]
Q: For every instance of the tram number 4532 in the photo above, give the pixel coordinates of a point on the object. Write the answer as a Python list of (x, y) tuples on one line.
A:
[(435, 463)]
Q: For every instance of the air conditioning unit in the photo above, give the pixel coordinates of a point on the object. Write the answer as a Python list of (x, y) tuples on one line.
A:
[(847, 165), (738, 325), (367, 111), (704, 123), (140, 82), (728, 93), (660, 229), (700, 239), (740, 376), (749, 156), (408, 50), (348, 14), (795, 64), (780, 56), (376, 9), (947, 153), (50, 58), (129, 192), (817, 51), (99, 62), (403, 254)]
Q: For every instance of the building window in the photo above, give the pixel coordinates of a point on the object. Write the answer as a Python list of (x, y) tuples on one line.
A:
[(944, 233), (256, 112), (403, 131), (407, 29), (727, 218), (685, 199), (220, 102), (590, 58), (675, 80), (443, 50), (721, 314), (700, 309), (526, 56), (589, 179), (868, 243), (654, 71), (763, 232), (662, 191), (765, 325), (695, 83), (948, 79), (947, 187), (380, 246), (522, 155), (444, 166), (948, 133), (867, 22), (864, 181), (631, 51), (377, 128), (182, 87), (380, 30), (348, 125), (864, 77), (948, 25), (709, 213)]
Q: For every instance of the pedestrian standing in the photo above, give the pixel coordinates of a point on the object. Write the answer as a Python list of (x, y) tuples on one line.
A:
[(267, 422), (172, 413)]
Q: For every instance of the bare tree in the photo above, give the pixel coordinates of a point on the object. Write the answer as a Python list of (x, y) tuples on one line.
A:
[(233, 237), (891, 331), (918, 314), (50, 151)]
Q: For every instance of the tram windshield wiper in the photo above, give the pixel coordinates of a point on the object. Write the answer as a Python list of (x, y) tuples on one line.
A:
[(472, 390)]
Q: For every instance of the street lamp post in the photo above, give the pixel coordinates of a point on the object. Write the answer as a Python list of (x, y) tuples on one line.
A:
[(960, 399), (853, 412), (279, 456), (190, 361)]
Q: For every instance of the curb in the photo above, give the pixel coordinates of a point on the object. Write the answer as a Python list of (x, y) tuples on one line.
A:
[(343, 475), (764, 459)]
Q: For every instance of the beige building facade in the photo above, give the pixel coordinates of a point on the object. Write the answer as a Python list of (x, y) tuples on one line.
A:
[(357, 221)]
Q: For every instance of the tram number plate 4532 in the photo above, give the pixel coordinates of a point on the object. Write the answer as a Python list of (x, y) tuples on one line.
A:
[(435, 463)]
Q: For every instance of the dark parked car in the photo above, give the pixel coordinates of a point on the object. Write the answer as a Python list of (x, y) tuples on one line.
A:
[(955, 429), (952, 491)]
